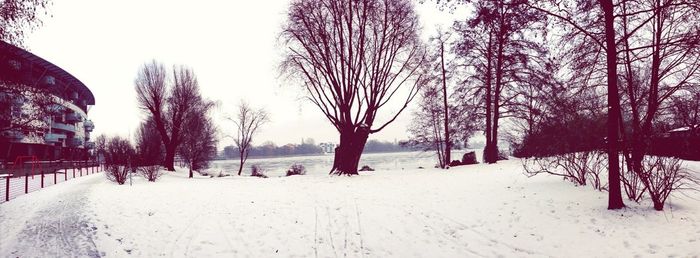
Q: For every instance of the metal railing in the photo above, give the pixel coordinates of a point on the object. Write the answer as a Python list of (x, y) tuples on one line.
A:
[(28, 175)]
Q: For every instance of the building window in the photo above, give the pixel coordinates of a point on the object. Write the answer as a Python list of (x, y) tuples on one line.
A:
[(16, 65), (50, 80)]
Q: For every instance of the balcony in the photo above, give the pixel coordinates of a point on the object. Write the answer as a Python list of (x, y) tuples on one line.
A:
[(74, 142), (62, 126), (53, 137), (13, 135), (89, 126), (73, 118)]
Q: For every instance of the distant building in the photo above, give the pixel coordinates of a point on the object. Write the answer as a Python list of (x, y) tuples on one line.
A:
[(66, 135), (328, 147)]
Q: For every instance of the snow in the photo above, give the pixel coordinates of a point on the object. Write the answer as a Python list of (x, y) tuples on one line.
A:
[(472, 211), (680, 129)]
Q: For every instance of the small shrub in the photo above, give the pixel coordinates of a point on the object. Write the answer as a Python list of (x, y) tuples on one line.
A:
[(455, 163), (152, 173), (577, 167), (631, 182), (117, 173), (258, 171), (469, 158), (366, 168), (119, 155), (664, 175), (296, 169)]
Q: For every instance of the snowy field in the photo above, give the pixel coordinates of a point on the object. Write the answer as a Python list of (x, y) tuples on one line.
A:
[(472, 211)]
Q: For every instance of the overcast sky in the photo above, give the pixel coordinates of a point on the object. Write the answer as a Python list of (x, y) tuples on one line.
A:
[(232, 46)]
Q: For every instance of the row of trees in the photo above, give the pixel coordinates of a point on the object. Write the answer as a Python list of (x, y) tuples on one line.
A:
[(568, 76), (177, 118), (178, 121)]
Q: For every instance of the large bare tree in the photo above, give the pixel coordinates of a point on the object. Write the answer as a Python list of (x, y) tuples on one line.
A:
[(168, 102), (353, 57), (247, 121)]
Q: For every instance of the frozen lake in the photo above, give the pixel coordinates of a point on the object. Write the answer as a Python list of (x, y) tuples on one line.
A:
[(321, 164)]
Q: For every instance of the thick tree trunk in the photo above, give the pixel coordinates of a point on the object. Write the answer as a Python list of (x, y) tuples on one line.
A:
[(615, 192), (347, 154), (488, 147), (169, 158), (496, 92)]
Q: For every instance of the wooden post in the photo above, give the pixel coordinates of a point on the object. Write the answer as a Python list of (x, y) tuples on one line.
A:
[(7, 188), (73, 165), (42, 178), (26, 183)]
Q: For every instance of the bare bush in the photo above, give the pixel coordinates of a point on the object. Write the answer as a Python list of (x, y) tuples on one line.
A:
[(117, 173), (577, 167), (257, 171), (664, 175), (296, 169), (118, 159), (634, 188), (152, 173)]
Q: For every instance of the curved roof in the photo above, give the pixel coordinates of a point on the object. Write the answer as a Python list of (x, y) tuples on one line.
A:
[(54, 70)]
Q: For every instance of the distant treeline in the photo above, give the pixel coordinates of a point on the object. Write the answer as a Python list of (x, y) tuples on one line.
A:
[(270, 149)]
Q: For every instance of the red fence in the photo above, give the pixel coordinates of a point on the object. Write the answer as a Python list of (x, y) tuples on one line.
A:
[(22, 178)]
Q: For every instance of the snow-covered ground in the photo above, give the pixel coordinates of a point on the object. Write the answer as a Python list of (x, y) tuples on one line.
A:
[(471, 211)]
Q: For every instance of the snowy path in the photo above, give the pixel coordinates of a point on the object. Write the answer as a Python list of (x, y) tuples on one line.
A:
[(475, 211), (58, 227)]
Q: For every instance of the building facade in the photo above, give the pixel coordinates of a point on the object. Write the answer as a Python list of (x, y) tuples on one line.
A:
[(63, 133)]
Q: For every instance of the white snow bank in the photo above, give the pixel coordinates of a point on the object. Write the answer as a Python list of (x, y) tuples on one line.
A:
[(479, 210)]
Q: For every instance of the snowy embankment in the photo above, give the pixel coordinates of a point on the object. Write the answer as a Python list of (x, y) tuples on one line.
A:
[(480, 210)]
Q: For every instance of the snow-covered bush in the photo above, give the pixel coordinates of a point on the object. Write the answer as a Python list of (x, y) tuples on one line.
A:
[(257, 171), (296, 169), (152, 173)]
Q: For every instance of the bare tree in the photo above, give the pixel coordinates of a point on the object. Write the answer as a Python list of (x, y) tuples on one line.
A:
[(25, 110), (499, 56), (247, 121), (199, 140), (441, 39), (653, 44), (17, 17), (25, 107), (353, 58), (427, 127), (591, 25), (685, 108), (167, 103), (149, 146)]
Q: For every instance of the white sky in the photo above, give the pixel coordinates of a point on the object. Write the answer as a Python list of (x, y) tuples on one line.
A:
[(232, 46)]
